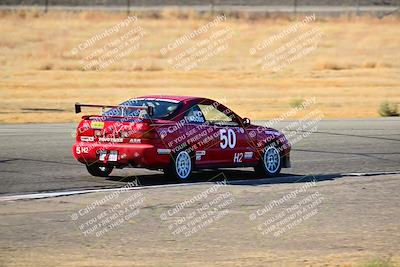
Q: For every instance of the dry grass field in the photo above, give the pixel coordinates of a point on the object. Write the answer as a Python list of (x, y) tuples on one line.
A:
[(354, 68)]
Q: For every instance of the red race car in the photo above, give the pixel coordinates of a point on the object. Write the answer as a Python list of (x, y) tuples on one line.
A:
[(176, 134)]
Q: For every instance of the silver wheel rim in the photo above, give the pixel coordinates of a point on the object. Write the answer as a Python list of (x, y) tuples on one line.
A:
[(272, 160), (183, 165)]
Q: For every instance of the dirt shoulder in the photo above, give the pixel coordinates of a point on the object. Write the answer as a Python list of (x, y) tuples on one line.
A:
[(41, 78), (347, 221)]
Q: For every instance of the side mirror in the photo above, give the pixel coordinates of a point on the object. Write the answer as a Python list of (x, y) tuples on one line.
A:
[(246, 121)]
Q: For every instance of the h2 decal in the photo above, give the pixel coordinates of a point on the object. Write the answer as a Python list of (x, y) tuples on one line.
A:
[(238, 157), (82, 149), (228, 138)]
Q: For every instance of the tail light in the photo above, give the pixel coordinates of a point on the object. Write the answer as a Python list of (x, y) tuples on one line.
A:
[(83, 131), (152, 134), (139, 131), (149, 134)]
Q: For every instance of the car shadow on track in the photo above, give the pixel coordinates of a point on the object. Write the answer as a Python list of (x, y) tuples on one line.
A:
[(233, 177)]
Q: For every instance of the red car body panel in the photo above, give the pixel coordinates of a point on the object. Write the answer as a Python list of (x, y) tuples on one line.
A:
[(149, 143)]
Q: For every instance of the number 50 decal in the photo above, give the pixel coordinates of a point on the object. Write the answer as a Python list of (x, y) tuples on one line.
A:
[(228, 138)]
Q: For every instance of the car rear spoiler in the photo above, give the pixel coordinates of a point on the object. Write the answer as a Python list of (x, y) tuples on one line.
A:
[(149, 109)]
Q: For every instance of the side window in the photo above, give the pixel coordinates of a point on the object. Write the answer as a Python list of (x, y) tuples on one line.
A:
[(194, 115), (215, 116)]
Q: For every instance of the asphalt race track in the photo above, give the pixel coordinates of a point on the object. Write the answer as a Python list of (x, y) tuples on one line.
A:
[(37, 157)]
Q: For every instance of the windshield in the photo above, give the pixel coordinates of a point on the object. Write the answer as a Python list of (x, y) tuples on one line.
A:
[(163, 108)]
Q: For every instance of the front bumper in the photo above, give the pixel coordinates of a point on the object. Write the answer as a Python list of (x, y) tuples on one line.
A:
[(135, 155), (286, 161)]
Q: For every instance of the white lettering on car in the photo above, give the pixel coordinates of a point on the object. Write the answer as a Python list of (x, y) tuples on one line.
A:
[(238, 157), (82, 149), (228, 138), (109, 139)]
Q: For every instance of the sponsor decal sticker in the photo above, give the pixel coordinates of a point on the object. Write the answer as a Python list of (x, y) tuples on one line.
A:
[(163, 151), (87, 138), (248, 155), (97, 124), (109, 139), (199, 154)]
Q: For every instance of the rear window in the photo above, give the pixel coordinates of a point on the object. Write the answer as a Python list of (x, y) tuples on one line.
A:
[(163, 108)]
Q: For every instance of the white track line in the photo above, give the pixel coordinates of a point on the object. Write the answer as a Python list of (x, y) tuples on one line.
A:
[(78, 192), (368, 173)]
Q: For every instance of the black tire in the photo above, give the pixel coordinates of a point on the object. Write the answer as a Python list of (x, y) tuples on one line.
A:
[(99, 170), (270, 163), (180, 167)]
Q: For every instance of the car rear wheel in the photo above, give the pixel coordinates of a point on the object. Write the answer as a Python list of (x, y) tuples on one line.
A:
[(180, 167), (99, 170), (270, 163)]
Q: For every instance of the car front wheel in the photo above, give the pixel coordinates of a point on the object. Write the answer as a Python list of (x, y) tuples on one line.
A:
[(270, 163), (99, 170)]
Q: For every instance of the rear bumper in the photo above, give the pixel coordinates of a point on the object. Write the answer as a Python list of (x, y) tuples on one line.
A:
[(136, 155)]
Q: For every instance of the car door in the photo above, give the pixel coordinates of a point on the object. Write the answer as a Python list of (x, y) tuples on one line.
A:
[(232, 148), (216, 136), (202, 138)]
